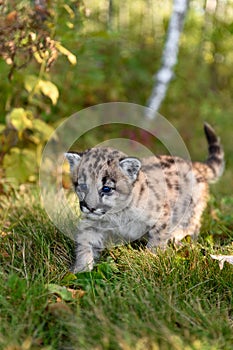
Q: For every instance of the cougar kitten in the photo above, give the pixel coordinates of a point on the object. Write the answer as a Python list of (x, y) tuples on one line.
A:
[(124, 198)]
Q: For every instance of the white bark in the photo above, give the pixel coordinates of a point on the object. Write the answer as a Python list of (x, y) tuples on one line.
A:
[(169, 59)]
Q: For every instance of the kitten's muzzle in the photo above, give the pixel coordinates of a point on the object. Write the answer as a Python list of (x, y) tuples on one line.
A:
[(87, 210)]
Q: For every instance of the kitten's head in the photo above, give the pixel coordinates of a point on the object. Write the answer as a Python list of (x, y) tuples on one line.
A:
[(103, 179)]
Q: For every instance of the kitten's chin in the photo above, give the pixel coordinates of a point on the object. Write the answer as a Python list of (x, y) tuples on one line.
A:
[(93, 216)]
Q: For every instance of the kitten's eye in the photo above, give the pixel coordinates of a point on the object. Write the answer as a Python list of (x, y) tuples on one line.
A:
[(106, 189)]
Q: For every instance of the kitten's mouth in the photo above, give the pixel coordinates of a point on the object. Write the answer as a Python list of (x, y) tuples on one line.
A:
[(93, 216), (92, 212)]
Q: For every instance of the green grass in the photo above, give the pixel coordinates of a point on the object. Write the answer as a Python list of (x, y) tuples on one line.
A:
[(179, 299)]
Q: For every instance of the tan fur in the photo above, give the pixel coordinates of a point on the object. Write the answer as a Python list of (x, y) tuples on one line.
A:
[(162, 197)]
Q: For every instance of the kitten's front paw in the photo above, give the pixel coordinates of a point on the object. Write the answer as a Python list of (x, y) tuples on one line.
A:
[(76, 268)]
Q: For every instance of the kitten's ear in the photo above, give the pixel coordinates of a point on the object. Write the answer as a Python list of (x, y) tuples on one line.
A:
[(73, 159), (130, 166)]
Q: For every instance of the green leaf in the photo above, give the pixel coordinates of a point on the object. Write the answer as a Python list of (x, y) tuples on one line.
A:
[(20, 119), (69, 278), (30, 82), (2, 127), (41, 129), (19, 165), (61, 291), (49, 89)]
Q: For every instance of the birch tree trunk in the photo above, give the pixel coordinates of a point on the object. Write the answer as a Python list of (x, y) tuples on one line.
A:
[(169, 58), (110, 15)]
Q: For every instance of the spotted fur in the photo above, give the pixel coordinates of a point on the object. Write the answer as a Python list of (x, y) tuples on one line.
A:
[(123, 198)]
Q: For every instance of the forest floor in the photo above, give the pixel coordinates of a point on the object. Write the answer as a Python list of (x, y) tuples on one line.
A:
[(179, 299)]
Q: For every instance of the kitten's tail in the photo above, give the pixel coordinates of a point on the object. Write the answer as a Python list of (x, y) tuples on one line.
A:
[(215, 160)]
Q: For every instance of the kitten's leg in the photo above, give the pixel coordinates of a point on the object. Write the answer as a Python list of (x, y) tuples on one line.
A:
[(158, 236), (191, 222), (89, 246), (84, 260)]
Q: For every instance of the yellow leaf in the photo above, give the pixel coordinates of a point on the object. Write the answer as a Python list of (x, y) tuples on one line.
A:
[(20, 119), (49, 89), (38, 57), (76, 293), (70, 56), (12, 347), (69, 10), (32, 178), (70, 25), (32, 36), (27, 344)]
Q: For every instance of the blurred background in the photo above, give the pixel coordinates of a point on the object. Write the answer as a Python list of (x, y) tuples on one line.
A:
[(58, 57)]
